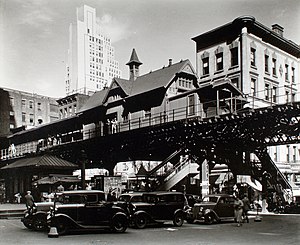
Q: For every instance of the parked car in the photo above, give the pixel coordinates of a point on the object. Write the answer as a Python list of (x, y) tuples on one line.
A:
[(158, 207), (126, 199), (36, 218), (213, 208), (86, 209)]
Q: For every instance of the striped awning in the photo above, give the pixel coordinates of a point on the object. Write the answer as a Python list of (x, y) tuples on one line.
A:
[(45, 161)]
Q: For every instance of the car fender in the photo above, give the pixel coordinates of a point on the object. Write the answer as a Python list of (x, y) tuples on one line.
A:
[(40, 213), (211, 212), (181, 212), (142, 212), (66, 218), (120, 214)]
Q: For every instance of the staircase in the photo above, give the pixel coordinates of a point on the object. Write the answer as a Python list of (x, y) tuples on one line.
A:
[(274, 176), (179, 172)]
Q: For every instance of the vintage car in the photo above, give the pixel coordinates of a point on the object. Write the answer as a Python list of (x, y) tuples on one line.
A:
[(213, 208), (36, 218), (86, 209), (158, 207)]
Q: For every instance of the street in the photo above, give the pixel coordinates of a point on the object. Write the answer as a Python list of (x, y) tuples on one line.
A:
[(273, 229)]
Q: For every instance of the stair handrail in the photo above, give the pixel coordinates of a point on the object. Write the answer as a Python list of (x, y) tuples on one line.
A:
[(165, 161)]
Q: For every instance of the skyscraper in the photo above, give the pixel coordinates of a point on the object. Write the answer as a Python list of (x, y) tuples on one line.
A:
[(91, 63)]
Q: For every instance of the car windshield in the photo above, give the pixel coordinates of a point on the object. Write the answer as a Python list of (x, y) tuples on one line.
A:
[(124, 198), (137, 199), (210, 199)]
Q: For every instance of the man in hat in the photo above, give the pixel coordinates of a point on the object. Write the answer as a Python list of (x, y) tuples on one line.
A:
[(29, 201)]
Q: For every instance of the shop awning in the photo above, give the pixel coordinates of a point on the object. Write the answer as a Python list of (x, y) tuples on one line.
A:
[(247, 179), (45, 161)]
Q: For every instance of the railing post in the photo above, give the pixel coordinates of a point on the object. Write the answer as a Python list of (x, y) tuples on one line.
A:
[(139, 122), (129, 125)]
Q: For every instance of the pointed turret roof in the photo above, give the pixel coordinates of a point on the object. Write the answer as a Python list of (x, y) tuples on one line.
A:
[(134, 58)]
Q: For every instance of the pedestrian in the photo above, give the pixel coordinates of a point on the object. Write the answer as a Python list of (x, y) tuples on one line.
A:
[(246, 207), (18, 197), (29, 201), (238, 211), (60, 188)]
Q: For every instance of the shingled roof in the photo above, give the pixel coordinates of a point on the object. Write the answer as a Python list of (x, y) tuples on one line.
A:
[(45, 161), (157, 79), (94, 101)]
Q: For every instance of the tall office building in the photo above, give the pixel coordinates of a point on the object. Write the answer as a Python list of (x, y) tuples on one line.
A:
[(91, 63)]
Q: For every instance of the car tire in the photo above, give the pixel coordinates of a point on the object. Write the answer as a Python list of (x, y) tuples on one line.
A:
[(61, 226), (208, 219), (40, 223), (140, 221), (28, 224), (119, 224), (178, 219)]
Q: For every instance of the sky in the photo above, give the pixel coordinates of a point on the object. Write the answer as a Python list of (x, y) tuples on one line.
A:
[(34, 33)]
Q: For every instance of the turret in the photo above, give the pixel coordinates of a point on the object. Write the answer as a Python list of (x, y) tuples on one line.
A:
[(134, 64)]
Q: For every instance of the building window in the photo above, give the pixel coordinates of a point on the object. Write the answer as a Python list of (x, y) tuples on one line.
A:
[(294, 153), (274, 67), (288, 153), (267, 63), (30, 104), (23, 103), (23, 117), (12, 101), (274, 94), (125, 118), (286, 73), (253, 87), (287, 95), (252, 57), (293, 97), (147, 113), (234, 56), (219, 61), (191, 105), (205, 64), (31, 119), (293, 74), (267, 91), (39, 106)]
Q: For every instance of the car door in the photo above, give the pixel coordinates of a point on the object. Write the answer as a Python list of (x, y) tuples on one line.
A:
[(227, 207), (95, 213)]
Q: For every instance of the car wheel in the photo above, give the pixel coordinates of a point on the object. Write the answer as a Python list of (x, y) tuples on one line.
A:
[(119, 224), (178, 219), (40, 223), (28, 224), (61, 226), (208, 219), (140, 221)]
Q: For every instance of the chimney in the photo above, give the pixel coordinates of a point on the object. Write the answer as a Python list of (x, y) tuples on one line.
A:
[(277, 29), (170, 62)]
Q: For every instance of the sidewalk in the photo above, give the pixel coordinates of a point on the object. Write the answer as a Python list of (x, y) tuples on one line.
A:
[(12, 206)]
